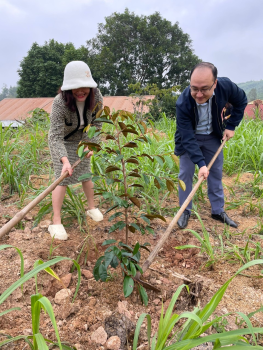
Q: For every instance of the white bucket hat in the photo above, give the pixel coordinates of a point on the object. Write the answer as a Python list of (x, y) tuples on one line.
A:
[(76, 75)]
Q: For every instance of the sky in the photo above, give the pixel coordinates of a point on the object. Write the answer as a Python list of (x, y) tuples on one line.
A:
[(227, 33)]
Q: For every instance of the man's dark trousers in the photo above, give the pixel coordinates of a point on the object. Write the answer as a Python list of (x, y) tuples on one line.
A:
[(208, 144)]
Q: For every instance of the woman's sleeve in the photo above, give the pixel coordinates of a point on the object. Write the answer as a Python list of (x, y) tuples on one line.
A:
[(56, 132)]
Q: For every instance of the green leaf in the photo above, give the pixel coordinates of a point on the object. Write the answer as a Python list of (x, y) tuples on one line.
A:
[(91, 132), (115, 215), (150, 229), (139, 268), (141, 128), (169, 162), (143, 295), (133, 269), (157, 181), (104, 120), (103, 273), (143, 217), (41, 344), (114, 262), (108, 258), (127, 247), (80, 151), (108, 241), (132, 229), (137, 227), (118, 158), (146, 179), (96, 268), (136, 248), (138, 328), (117, 252), (111, 208), (128, 285), (9, 310), (33, 272), (186, 246), (159, 160), (119, 225)]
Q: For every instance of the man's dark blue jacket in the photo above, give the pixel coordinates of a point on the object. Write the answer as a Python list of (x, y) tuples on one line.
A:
[(187, 117)]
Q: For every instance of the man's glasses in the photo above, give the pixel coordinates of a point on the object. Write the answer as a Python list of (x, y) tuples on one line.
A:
[(203, 91)]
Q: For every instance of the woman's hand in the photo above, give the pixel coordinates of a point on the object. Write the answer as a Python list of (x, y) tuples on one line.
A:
[(66, 166), (88, 155)]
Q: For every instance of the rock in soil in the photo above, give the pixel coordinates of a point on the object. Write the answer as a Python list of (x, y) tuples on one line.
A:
[(99, 336), (113, 343), (121, 326)]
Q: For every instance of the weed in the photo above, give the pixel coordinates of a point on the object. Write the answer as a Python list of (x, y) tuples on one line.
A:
[(204, 241), (190, 333)]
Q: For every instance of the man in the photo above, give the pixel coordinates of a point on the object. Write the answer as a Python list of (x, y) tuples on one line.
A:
[(200, 128)]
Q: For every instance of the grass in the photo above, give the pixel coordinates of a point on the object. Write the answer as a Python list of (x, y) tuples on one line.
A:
[(192, 332), (38, 302)]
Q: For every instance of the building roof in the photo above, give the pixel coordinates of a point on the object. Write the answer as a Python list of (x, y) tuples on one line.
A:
[(19, 108), (251, 108)]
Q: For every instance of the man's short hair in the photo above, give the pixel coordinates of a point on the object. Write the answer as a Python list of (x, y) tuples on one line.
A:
[(208, 65)]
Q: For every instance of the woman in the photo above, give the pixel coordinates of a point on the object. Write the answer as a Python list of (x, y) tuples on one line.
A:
[(71, 112)]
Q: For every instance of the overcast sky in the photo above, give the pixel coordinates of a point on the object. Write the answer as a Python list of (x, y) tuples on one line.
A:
[(227, 33)]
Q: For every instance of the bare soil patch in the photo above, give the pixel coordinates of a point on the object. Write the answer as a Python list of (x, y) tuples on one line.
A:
[(97, 301)]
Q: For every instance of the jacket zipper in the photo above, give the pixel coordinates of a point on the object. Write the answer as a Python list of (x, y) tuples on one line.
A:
[(218, 120)]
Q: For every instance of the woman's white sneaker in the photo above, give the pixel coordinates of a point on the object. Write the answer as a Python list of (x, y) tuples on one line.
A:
[(58, 232)]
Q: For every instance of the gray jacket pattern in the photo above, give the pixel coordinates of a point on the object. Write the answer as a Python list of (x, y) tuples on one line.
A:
[(64, 123)]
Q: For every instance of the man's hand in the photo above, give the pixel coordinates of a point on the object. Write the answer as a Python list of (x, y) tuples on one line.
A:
[(228, 134), (203, 171), (88, 155)]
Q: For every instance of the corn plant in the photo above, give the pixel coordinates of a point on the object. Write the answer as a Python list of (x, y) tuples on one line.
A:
[(251, 251), (38, 302), (197, 323), (205, 244)]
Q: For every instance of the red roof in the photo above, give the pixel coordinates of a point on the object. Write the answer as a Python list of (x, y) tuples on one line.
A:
[(251, 108), (18, 108)]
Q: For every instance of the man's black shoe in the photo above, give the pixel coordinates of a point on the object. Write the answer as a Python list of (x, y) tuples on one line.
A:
[(183, 220), (223, 217)]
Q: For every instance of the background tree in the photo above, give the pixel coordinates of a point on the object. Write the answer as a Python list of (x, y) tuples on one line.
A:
[(41, 71), (163, 102), (8, 92), (145, 49), (252, 95)]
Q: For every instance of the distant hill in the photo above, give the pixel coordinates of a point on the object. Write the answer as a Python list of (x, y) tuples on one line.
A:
[(249, 85)]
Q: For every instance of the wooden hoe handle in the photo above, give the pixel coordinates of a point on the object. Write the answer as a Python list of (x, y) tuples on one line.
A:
[(22, 213), (166, 234)]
